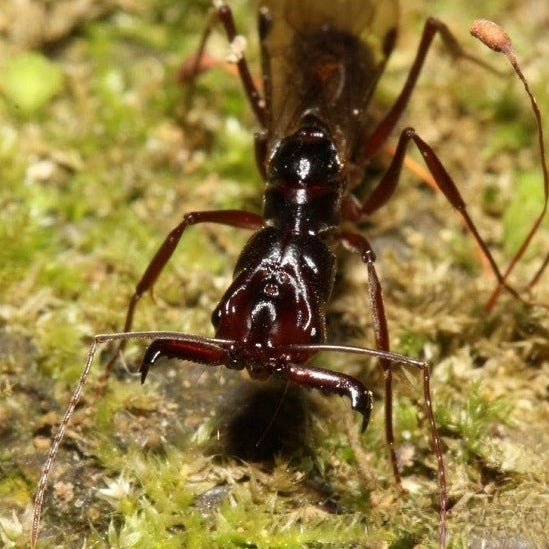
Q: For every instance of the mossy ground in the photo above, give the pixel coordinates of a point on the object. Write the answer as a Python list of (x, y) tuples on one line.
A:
[(98, 166)]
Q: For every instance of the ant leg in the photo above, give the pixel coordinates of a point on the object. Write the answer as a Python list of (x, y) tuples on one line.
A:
[(260, 150), (223, 13), (539, 272), (386, 187), (358, 244), (492, 36), (331, 382), (197, 63), (233, 218), (381, 133)]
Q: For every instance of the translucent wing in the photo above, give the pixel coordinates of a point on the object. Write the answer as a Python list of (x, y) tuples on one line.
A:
[(324, 56)]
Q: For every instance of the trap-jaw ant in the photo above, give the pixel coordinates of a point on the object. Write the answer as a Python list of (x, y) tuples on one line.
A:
[(321, 61)]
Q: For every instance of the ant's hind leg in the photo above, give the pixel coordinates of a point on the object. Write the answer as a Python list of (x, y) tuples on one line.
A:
[(384, 129), (195, 65)]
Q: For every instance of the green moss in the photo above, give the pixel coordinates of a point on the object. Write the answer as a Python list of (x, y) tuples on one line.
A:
[(30, 81), (407, 418), (14, 491), (61, 346), (412, 343), (472, 421), (523, 209)]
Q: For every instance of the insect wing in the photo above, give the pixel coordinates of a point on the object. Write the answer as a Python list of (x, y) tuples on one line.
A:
[(324, 56)]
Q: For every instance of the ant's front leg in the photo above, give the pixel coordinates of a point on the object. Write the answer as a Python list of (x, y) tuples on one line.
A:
[(233, 218), (358, 244)]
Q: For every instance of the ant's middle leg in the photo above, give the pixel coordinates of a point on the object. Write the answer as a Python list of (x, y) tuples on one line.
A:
[(233, 218), (386, 187), (222, 12)]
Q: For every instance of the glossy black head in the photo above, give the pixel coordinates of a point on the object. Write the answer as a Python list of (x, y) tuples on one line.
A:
[(278, 298)]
